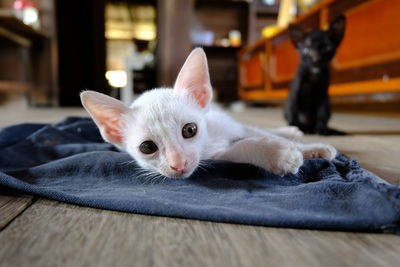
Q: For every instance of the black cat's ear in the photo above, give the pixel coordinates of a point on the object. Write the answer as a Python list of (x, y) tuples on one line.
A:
[(336, 29), (297, 35)]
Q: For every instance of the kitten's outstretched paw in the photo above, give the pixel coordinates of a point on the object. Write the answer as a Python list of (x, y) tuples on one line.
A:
[(312, 151), (290, 132), (284, 158)]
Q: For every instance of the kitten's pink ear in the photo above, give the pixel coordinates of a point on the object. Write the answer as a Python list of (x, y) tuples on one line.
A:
[(107, 113), (195, 78)]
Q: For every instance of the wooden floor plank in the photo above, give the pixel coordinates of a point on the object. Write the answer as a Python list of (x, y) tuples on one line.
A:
[(11, 205), (51, 233)]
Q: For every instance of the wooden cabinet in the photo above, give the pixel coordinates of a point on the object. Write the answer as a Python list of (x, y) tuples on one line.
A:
[(27, 58), (367, 61)]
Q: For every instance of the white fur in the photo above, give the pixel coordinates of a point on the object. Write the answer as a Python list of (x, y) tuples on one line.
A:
[(159, 115)]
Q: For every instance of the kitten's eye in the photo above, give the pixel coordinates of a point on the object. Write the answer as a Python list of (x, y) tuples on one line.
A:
[(189, 130), (148, 147)]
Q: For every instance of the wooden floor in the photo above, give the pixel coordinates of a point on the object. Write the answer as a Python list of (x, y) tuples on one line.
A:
[(41, 232)]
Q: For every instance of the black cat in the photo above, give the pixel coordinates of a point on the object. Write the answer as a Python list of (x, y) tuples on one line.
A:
[(307, 106)]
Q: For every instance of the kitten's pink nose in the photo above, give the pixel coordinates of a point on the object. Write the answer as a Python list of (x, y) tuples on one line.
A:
[(178, 166), (176, 160)]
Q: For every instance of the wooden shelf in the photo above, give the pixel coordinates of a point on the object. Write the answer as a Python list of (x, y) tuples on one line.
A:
[(346, 89), (268, 66), (14, 29), (218, 47), (229, 2), (267, 10), (28, 63), (14, 87)]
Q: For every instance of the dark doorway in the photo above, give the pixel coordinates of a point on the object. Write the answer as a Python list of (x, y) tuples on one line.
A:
[(81, 49)]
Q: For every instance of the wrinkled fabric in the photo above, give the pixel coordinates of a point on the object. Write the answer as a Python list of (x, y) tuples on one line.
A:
[(69, 162)]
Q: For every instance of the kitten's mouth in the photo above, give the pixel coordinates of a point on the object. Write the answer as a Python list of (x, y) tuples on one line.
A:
[(180, 175), (183, 174)]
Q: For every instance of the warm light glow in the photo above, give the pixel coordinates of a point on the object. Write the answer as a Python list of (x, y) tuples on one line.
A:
[(127, 22), (116, 78), (30, 15), (18, 4), (119, 34), (141, 31), (144, 31)]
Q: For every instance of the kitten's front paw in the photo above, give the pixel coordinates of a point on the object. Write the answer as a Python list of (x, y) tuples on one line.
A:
[(290, 132), (284, 157), (312, 151)]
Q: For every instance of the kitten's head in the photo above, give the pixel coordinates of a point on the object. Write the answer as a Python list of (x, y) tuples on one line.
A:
[(317, 47), (164, 130)]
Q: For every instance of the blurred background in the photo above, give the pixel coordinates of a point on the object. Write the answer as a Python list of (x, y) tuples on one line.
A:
[(50, 50)]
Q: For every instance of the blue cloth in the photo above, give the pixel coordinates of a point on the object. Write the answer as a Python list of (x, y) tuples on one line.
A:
[(68, 161)]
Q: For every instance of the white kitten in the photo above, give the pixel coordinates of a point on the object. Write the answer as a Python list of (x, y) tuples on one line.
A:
[(172, 130)]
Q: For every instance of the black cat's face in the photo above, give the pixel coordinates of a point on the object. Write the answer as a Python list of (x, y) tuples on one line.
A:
[(318, 47)]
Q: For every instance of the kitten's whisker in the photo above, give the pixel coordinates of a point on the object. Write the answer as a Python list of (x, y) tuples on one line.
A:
[(147, 180), (149, 176), (140, 172), (207, 164), (126, 163), (200, 167), (155, 178)]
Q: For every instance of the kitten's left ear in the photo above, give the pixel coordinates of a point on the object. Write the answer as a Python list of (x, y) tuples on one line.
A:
[(336, 29), (107, 113), (195, 78)]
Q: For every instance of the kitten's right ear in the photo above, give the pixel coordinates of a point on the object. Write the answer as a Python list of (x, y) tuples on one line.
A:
[(297, 35), (107, 113), (195, 79)]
